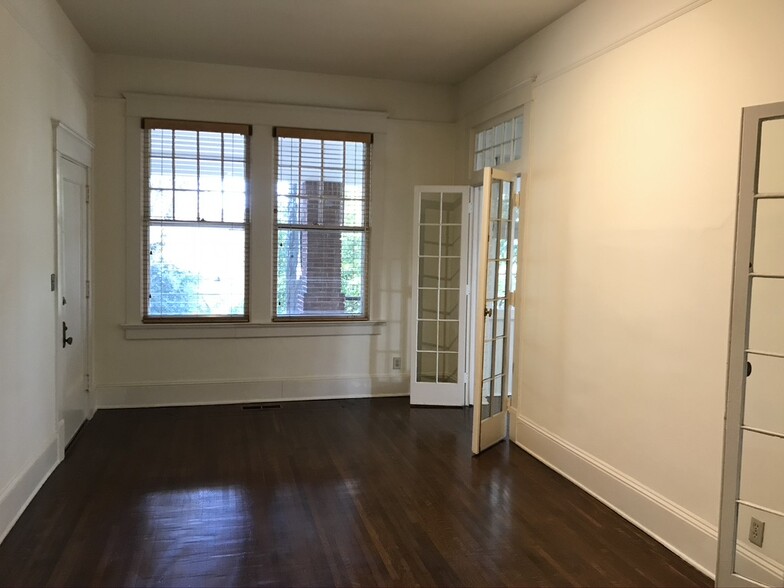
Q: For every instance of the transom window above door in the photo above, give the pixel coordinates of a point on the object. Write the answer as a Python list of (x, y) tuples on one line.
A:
[(498, 143)]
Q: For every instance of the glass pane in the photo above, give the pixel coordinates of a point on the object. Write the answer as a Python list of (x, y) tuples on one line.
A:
[(186, 205), (427, 333), (161, 173), (450, 304), (486, 392), (426, 367), (447, 367), (185, 174), (768, 237), (766, 321), (487, 361), (503, 232), (495, 199), (234, 207), (428, 272), (491, 275), (196, 271), (764, 406), (452, 208), (517, 149), (450, 272), (506, 200), (211, 206), (428, 300), (450, 240), (161, 142), (501, 292), (518, 121), (428, 240), (430, 208), (500, 349), (448, 335), (479, 161), (320, 273), (771, 157), (161, 204), (499, 316), (762, 468)]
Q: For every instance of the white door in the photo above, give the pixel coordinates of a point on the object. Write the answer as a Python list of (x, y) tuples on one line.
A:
[(751, 528), (71, 344), (439, 296), (492, 335)]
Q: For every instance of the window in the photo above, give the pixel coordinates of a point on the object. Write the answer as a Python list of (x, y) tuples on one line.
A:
[(195, 221), (497, 144), (321, 224)]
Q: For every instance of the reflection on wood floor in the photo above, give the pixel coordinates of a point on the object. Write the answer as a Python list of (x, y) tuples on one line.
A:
[(354, 492)]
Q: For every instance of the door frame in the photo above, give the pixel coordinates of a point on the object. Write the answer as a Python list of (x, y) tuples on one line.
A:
[(753, 118), (72, 146)]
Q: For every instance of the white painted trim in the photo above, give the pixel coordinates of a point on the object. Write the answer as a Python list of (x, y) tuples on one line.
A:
[(681, 531), (252, 330), (692, 5), (191, 393), (254, 113), (15, 497), (72, 144)]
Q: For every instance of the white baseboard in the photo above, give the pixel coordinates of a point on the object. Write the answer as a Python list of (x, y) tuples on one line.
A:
[(681, 531), (15, 497), (190, 393)]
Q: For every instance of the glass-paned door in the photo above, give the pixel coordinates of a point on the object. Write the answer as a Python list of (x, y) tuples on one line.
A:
[(492, 334), (751, 529), (439, 296)]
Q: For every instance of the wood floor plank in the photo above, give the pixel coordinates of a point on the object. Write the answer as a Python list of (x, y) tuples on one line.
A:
[(328, 493)]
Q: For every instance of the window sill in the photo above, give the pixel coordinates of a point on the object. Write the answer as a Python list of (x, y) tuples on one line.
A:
[(251, 330)]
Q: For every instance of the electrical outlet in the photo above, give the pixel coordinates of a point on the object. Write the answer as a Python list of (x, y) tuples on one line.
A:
[(756, 531), (395, 363)]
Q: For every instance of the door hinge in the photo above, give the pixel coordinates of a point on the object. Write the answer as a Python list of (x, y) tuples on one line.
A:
[(87, 289), (516, 200), (87, 382), (87, 194)]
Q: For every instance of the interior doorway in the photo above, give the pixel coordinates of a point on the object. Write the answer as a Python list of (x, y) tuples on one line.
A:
[(71, 283)]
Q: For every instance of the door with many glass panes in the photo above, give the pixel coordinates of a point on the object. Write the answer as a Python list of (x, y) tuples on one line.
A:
[(751, 525), (492, 333), (439, 296)]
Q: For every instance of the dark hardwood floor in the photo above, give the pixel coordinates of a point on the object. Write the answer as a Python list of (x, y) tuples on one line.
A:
[(330, 493)]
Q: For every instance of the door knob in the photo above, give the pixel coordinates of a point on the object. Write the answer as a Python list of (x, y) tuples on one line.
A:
[(489, 312), (66, 340), (748, 369)]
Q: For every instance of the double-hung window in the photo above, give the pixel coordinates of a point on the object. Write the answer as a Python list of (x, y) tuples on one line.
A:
[(195, 221), (321, 224)]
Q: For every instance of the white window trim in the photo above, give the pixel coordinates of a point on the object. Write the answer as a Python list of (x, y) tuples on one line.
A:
[(263, 117)]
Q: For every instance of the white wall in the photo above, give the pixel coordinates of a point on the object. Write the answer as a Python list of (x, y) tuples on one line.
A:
[(418, 148), (47, 72), (628, 245)]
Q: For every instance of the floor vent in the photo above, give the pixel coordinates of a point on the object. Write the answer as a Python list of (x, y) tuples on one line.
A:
[(260, 406)]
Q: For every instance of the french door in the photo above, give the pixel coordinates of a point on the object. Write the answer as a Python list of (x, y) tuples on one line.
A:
[(751, 526), (492, 333), (439, 296)]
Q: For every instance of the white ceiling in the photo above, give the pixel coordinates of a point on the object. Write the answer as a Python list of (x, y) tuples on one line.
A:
[(416, 40)]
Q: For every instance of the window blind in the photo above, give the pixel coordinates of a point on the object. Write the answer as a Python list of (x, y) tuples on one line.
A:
[(196, 221), (322, 228)]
